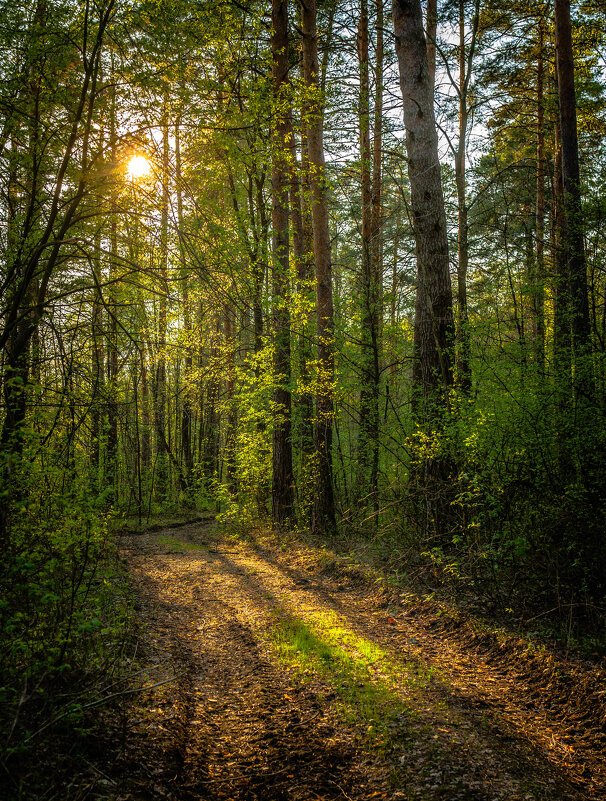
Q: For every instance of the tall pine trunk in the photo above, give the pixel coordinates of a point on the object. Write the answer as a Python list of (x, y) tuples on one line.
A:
[(538, 278), (433, 374), (573, 251), (324, 505)]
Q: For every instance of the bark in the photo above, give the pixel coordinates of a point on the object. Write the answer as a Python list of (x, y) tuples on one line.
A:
[(230, 430), (324, 507), (463, 335), (572, 240), (562, 344), (377, 244), (187, 411), (97, 368), (111, 467), (538, 278), (434, 328), (282, 472), (145, 415), (368, 439), (431, 24), (161, 482), (303, 255)]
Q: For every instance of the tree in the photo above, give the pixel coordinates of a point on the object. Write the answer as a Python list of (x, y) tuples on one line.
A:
[(434, 326), (466, 55), (41, 220), (368, 439), (324, 504), (282, 470), (573, 251)]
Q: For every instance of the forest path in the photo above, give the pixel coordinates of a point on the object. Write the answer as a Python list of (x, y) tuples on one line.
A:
[(294, 684)]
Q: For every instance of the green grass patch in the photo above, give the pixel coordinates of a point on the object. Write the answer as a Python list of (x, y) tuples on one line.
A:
[(179, 545), (364, 679)]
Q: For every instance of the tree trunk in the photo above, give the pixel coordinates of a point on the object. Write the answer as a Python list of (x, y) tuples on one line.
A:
[(161, 483), (324, 507), (368, 438), (230, 429), (431, 25), (463, 337), (377, 246), (434, 330), (111, 467), (302, 251), (282, 473), (186, 412), (562, 344), (538, 279), (573, 246)]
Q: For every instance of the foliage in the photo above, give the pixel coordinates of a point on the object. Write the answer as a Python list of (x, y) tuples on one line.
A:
[(139, 316), (65, 618)]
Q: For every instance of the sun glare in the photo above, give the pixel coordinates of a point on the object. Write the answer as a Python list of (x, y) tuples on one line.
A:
[(138, 167)]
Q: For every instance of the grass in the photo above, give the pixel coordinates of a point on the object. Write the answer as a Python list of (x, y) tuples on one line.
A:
[(365, 680), (179, 545)]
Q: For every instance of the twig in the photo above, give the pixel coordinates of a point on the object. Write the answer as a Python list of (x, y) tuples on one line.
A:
[(341, 789), (99, 702), (100, 772)]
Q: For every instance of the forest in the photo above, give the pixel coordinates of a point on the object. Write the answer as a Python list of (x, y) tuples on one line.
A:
[(323, 272)]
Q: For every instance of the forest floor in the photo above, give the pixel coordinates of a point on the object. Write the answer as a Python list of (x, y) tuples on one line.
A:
[(284, 674)]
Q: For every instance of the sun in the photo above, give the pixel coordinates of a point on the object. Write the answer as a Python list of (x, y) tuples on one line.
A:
[(138, 167)]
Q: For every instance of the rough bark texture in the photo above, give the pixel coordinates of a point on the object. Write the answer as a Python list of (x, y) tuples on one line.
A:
[(431, 24), (282, 473), (324, 508), (434, 329)]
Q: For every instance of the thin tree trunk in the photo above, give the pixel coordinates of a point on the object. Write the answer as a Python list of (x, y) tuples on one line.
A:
[(97, 367), (186, 412), (463, 337), (324, 506), (573, 245), (562, 344), (369, 401), (161, 483), (111, 467), (302, 251), (377, 244), (538, 297), (282, 472), (230, 431)]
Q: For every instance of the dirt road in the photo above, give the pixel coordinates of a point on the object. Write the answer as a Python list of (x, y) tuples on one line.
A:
[(292, 683)]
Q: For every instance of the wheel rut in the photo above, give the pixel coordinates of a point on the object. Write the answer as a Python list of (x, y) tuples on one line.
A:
[(248, 718)]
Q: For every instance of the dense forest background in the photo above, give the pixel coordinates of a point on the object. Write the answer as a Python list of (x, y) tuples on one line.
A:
[(284, 312)]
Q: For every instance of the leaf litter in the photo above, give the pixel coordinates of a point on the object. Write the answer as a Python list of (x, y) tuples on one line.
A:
[(295, 683)]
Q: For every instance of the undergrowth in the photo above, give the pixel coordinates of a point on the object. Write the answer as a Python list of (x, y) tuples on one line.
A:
[(65, 629)]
